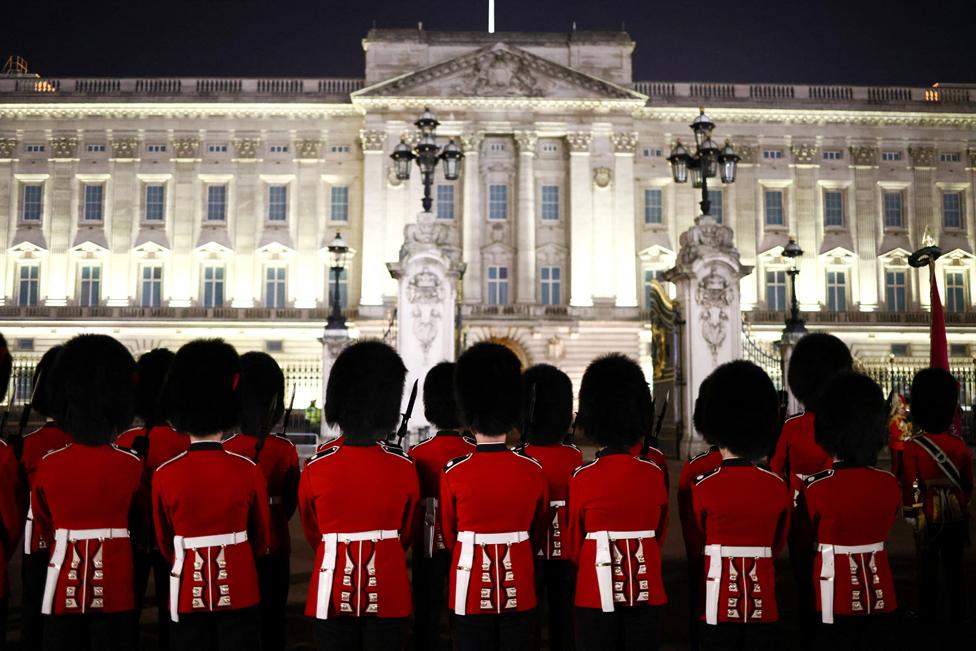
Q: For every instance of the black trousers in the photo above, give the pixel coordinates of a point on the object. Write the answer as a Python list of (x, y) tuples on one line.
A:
[(110, 632), (34, 574), (429, 599), (946, 544), (3, 623), (740, 637), (555, 585), (229, 630), (144, 565), (802, 557), (366, 633), (866, 633), (274, 579), (627, 628), (505, 632)]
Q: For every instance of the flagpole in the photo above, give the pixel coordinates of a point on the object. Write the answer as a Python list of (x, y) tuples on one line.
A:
[(491, 16)]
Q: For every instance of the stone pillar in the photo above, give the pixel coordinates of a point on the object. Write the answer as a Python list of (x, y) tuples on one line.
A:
[(581, 219), (374, 217), (471, 211), (707, 274), (525, 269), (624, 215)]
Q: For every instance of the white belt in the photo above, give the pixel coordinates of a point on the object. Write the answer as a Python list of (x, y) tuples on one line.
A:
[(430, 525), (715, 554), (557, 504), (468, 540), (330, 546), (61, 539), (604, 563), (29, 528), (180, 545), (827, 553)]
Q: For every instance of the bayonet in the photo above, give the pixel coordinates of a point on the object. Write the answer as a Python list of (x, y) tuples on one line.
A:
[(402, 430)]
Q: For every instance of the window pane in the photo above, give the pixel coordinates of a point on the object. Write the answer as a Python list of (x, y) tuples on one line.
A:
[(776, 290), (836, 291), (28, 289), (652, 207), (550, 202), (277, 203), (550, 293), (275, 287), (774, 207), (497, 202), (339, 199), (716, 208), (152, 286), (89, 287), (952, 210), (955, 285), (892, 209), (32, 203), (895, 294), (216, 203), (833, 208), (497, 285), (445, 201), (93, 203), (155, 203)]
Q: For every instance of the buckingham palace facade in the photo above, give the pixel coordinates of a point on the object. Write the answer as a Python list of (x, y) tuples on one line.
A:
[(161, 209)]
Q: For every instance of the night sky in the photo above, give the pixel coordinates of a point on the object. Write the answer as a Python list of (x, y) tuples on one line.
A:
[(869, 42)]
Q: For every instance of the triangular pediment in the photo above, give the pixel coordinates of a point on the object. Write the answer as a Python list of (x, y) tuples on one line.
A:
[(657, 253), (500, 71), (275, 241), (152, 240), (897, 257), (214, 241), (838, 255), (90, 247)]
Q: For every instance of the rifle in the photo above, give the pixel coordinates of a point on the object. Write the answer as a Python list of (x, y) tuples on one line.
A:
[(529, 417), (652, 439), (402, 430), (6, 411), (284, 423)]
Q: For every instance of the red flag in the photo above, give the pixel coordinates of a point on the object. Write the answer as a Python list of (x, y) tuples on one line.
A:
[(939, 351)]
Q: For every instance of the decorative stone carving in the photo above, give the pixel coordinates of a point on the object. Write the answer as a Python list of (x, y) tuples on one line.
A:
[(602, 177), (971, 153), (579, 141), (372, 140), (922, 156), (186, 147), (748, 154), (864, 155), (805, 154), (64, 147), (525, 140), (127, 147), (714, 296), (624, 142), (555, 348), (8, 147), (497, 73), (247, 147), (706, 235), (308, 148), (425, 293), (471, 142)]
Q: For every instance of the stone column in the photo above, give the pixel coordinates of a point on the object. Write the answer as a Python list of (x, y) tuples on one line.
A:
[(124, 186), (374, 205), (525, 269), (581, 219), (473, 220), (624, 216), (864, 167)]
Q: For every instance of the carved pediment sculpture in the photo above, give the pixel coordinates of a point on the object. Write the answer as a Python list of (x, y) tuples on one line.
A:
[(602, 177), (64, 147), (705, 235), (125, 147)]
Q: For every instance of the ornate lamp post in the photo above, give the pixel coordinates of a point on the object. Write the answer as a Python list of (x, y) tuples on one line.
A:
[(708, 160), (794, 324), (427, 154), (338, 254)]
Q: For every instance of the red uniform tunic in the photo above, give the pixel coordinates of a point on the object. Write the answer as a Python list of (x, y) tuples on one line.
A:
[(337, 442), (210, 492), (11, 511), (164, 444), (78, 490), (918, 465), (278, 462), (739, 505), (618, 513), (430, 457), (558, 461), (357, 503), (797, 452), (851, 511), (655, 455), (36, 445), (494, 491)]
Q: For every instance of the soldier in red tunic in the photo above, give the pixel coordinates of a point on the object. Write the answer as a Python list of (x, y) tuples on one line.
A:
[(431, 559), (262, 390), (87, 497), (741, 510), (547, 407), (617, 514), (210, 507), (494, 506), (358, 503), (12, 500), (937, 486), (850, 509)]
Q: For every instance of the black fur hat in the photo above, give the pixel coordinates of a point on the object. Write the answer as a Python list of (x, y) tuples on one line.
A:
[(201, 392), (151, 370), (262, 391), (440, 406), (817, 358), (488, 382), (614, 401), (934, 400), (365, 389), (852, 421), (42, 383), (741, 412), (95, 375), (6, 367), (553, 413)]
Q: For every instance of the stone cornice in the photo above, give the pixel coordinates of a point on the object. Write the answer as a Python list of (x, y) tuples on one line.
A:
[(542, 105), (78, 111), (823, 117)]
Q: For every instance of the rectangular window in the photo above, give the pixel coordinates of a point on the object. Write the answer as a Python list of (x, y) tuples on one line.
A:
[(896, 295), (893, 209), (551, 290), (32, 148), (773, 203), (550, 202), (950, 157), (952, 209), (837, 291), (652, 152), (343, 288), (775, 290), (340, 149), (899, 350), (649, 276), (158, 148), (497, 202), (833, 208), (278, 149), (653, 209), (955, 289), (339, 203), (833, 154), (93, 210), (274, 288), (217, 148), (497, 285), (772, 154), (152, 286), (716, 209), (277, 203), (496, 146), (155, 210), (550, 148), (94, 149), (891, 155), (90, 285), (445, 201), (213, 287), (32, 206), (28, 289), (216, 203)]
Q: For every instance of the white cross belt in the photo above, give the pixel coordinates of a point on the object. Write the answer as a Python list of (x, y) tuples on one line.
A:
[(61, 539), (467, 540), (330, 546), (180, 545), (715, 554), (604, 563), (827, 572)]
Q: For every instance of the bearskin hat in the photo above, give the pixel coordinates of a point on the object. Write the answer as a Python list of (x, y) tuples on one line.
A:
[(151, 370), (365, 389), (741, 410), (42, 382), (614, 401), (488, 385), (934, 400), (440, 407), (262, 391), (552, 415), (201, 392), (852, 420), (816, 358), (95, 399), (6, 367)]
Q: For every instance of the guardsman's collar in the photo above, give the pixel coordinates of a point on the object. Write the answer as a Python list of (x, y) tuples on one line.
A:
[(614, 449), (196, 446), (360, 443), (736, 461), (448, 432), (492, 447)]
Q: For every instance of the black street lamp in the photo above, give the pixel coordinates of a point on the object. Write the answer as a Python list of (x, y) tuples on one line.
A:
[(427, 154), (708, 160), (338, 253), (794, 324)]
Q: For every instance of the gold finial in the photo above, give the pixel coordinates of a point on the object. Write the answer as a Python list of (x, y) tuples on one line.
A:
[(927, 239)]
